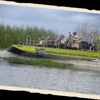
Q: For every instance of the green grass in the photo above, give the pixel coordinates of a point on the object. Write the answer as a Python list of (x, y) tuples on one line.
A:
[(13, 35), (38, 62), (43, 63)]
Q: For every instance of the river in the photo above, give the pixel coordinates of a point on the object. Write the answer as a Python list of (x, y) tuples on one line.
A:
[(65, 80)]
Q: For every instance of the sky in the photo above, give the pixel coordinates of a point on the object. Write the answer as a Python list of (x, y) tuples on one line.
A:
[(60, 21)]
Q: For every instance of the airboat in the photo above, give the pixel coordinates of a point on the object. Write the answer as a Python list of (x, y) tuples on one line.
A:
[(81, 50)]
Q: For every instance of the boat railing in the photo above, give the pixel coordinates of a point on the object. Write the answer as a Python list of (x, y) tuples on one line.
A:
[(21, 43), (28, 40)]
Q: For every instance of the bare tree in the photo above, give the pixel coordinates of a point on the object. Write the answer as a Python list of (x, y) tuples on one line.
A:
[(93, 32)]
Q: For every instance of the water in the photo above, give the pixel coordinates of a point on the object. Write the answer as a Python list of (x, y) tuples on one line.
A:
[(65, 80)]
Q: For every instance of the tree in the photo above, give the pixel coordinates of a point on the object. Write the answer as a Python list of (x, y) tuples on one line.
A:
[(93, 32)]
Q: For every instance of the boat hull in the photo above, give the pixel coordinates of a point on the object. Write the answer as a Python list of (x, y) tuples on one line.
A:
[(54, 52)]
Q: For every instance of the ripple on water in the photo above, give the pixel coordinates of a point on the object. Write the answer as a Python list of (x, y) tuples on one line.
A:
[(5, 53), (49, 78)]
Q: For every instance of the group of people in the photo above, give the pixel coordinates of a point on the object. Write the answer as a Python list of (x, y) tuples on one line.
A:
[(57, 42)]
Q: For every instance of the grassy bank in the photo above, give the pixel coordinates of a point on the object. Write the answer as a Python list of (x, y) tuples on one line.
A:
[(13, 35), (38, 62), (43, 63)]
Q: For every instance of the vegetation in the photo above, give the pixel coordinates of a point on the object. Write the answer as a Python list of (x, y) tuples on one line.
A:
[(13, 35), (37, 62), (43, 63)]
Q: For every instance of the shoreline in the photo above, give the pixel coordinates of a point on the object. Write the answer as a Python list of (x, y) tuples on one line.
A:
[(81, 62), (85, 65)]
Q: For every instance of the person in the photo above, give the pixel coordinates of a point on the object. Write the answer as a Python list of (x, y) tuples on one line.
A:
[(38, 40), (47, 41), (51, 42), (41, 42), (34, 42), (73, 38), (60, 41), (57, 44), (63, 39)]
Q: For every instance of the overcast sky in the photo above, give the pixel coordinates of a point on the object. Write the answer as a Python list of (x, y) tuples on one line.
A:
[(61, 21)]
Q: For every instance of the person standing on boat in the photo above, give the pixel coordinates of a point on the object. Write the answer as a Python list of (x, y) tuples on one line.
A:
[(73, 38)]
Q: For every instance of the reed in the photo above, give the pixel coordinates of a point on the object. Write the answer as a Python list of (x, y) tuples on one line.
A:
[(13, 35)]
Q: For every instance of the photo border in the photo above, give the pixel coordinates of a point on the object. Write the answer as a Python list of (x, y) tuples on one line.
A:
[(68, 94)]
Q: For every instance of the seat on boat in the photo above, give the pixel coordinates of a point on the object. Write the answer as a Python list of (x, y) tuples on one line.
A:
[(62, 45)]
